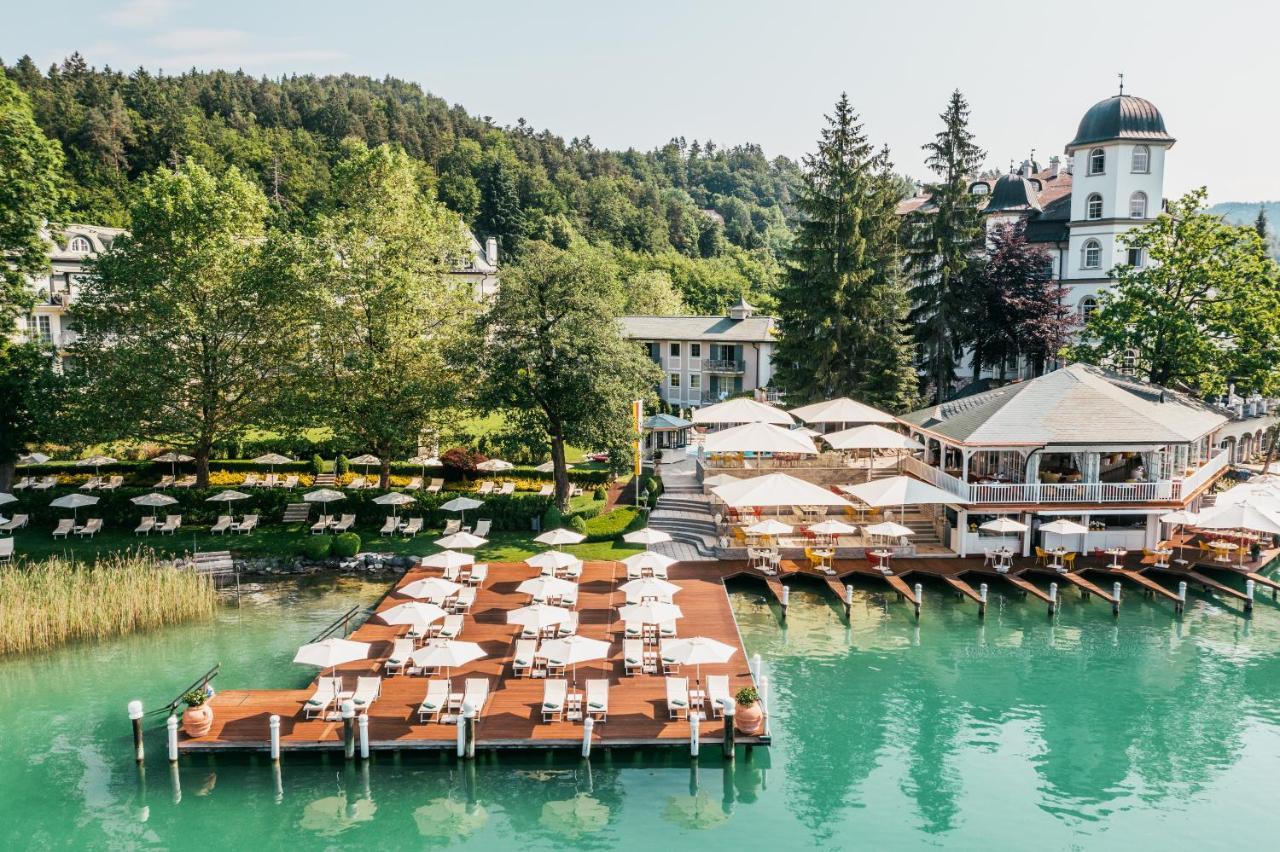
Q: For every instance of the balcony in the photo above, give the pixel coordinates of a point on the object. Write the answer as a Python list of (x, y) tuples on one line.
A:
[(718, 365)]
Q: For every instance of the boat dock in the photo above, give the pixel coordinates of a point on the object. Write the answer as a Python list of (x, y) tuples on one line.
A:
[(512, 716)]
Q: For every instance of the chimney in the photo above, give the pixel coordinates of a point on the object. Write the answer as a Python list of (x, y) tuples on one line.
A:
[(1054, 165), (491, 250)]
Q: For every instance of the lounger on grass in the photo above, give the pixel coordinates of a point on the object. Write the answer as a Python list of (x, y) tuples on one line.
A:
[(291, 482), (482, 528), (17, 522), (451, 627), (476, 693), (90, 528), (344, 524), (166, 481), (486, 487), (546, 490), (246, 525), (415, 484), (598, 699), (453, 526), (434, 704), (251, 480), (522, 659), (400, 651), (171, 525), (390, 526), (321, 525), (271, 481), (91, 483), (553, 695), (718, 692), (357, 483), (507, 488), (145, 526), (112, 484), (412, 527), (223, 524), (435, 486), (479, 573), (188, 481), (64, 528), (367, 691), (326, 692), (678, 697), (46, 483), (22, 484), (6, 549)]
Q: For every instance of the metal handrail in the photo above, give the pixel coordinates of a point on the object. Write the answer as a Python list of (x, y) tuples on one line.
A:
[(343, 621), (199, 683)]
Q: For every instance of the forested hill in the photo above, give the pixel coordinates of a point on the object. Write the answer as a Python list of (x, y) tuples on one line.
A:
[(711, 218)]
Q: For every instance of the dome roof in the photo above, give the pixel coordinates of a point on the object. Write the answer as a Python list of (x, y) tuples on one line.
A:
[(1121, 117), (1013, 192)]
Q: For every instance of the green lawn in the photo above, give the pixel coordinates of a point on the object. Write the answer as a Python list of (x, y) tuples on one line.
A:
[(287, 541)]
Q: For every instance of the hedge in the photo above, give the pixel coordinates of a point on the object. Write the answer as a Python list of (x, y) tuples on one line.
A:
[(610, 525)]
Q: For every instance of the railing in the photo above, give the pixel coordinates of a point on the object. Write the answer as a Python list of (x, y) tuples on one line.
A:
[(717, 365), (341, 623), (199, 683), (1070, 492), (933, 476), (1206, 472)]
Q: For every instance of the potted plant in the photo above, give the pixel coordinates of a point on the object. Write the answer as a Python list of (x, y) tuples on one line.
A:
[(1255, 551), (748, 717), (197, 719)]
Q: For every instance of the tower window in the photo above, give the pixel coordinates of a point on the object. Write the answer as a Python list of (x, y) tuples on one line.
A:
[(1088, 306), (1091, 255), (1136, 257), (1093, 207), (1141, 159), (979, 189), (80, 244), (1138, 205), (1097, 161)]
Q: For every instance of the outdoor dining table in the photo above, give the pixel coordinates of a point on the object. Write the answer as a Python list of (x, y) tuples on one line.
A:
[(1162, 555), (1117, 557), (1224, 549), (1004, 559), (883, 556), (826, 557), (1057, 553)]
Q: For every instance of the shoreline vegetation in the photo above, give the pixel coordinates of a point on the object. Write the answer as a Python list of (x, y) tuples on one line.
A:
[(56, 601)]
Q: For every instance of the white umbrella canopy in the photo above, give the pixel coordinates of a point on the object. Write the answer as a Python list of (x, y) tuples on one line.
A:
[(553, 559), (1239, 516), (272, 459), (227, 497), (367, 458), (648, 559), (696, 650), (833, 527), (331, 652), (1181, 516), (416, 613), (650, 612), (32, 458), (1064, 527), (150, 500), (558, 537), (73, 502), (573, 650), (323, 495), (871, 437), (446, 654), (842, 410), (544, 587), (431, 588), (741, 410), (95, 461), (546, 467), (777, 489), (393, 498), (494, 465), (462, 541), (899, 491), (1004, 525), (770, 527), (447, 559), (759, 438), (807, 432), (888, 529), (649, 587), (172, 457), (538, 616), (461, 504), (426, 461), (647, 536), (6, 498), (720, 479)]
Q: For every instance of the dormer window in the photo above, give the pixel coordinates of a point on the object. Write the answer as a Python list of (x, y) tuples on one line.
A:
[(1138, 205), (1091, 255), (1093, 207), (1097, 161), (80, 245), (979, 189), (1141, 160)]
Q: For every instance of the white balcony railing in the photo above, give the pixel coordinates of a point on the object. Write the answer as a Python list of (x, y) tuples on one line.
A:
[(934, 476), (1207, 471)]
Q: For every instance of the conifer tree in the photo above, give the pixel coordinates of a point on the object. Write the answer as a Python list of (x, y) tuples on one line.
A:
[(843, 304), (1261, 225), (943, 241)]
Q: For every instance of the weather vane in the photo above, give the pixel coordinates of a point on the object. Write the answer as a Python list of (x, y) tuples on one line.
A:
[(1121, 76)]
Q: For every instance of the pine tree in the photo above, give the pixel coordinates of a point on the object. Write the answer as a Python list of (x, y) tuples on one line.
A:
[(843, 305), (942, 241), (1261, 225)]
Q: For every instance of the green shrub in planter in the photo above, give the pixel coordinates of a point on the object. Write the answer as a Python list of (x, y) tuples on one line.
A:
[(341, 465), (578, 524), (317, 547), (600, 493), (317, 464), (346, 545), (653, 500)]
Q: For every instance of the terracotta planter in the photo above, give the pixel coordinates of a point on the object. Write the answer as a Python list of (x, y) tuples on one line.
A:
[(196, 721), (748, 720)]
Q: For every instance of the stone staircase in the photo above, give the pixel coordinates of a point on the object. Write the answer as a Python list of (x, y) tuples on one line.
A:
[(685, 513)]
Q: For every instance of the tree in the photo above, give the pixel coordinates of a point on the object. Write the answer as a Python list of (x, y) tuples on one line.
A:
[(390, 317), (31, 390), (31, 197), (1261, 226), (189, 324), (1203, 311), (842, 305), (556, 362), (653, 293), (943, 240)]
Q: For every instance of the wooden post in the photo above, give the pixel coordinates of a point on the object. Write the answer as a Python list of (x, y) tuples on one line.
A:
[(695, 722), (363, 723), (1115, 598), (982, 600), (469, 722), (588, 725), (278, 781), (786, 601), (848, 601), (1053, 598), (349, 729), (728, 730), (273, 724), (135, 717), (919, 599)]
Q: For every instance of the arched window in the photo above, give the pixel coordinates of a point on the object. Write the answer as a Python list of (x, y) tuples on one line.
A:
[(1138, 205), (1087, 306), (1097, 161), (979, 189), (1093, 207), (80, 244), (1091, 255), (1141, 159)]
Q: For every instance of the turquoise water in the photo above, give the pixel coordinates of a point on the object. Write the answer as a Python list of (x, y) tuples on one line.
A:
[(1081, 732)]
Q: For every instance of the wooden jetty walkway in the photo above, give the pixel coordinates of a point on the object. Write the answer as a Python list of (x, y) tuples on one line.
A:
[(512, 717)]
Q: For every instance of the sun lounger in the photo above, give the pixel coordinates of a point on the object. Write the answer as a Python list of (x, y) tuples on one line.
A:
[(246, 525), (166, 481), (400, 651), (434, 703), (570, 598), (145, 526), (356, 484), (346, 523), (479, 573), (415, 484), (91, 483), (522, 659), (185, 482), (453, 526), (326, 692), (507, 488), (482, 527), (575, 490), (465, 600), (64, 528), (451, 627), (367, 691), (223, 524), (633, 656), (45, 484), (476, 693), (546, 490), (290, 482), (574, 571), (17, 522), (633, 572), (271, 480), (678, 697), (598, 699), (486, 487), (6, 549), (553, 695), (718, 692), (435, 486), (172, 523), (633, 630), (569, 626), (112, 484), (412, 528), (667, 630), (22, 484), (452, 573), (321, 525), (392, 524), (91, 526), (660, 572), (251, 480)]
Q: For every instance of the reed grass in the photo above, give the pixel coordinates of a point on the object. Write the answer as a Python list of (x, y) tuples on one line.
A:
[(44, 604)]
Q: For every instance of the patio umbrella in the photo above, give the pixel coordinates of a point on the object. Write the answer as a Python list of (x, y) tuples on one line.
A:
[(331, 653), (415, 613), (227, 497), (172, 458), (777, 489), (272, 459), (365, 460), (553, 559), (742, 410), (545, 587), (842, 410), (1180, 517), (446, 654), (889, 529), (573, 650), (871, 437), (648, 559), (770, 527), (697, 650), (833, 527), (395, 500), (647, 536), (325, 496), (650, 612), (73, 502), (461, 505), (538, 616), (95, 462), (426, 462), (572, 818), (6, 498), (1240, 516), (447, 559), (759, 438), (719, 479), (430, 588), (462, 541), (1064, 527), (448, 819), (807, 432), (546, 467), (494, 465), (152, 500), (559, 537), (649, 587), (900, 491), (32, 458), (1004, 525)]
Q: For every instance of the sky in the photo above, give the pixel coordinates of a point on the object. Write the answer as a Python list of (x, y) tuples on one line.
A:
[(634, 75)]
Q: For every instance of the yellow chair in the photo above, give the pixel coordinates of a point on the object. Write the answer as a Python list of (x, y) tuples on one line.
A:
[(1042, 556), (1069, 560), (739, 535)]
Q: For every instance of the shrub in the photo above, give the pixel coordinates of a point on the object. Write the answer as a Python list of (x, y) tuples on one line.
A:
[(317, 547), (552, 518), (459, 460), (317, 464), (341, 465), (601, 493), (578, 524), (346, 545), (653, 500), (610, 525), (746, 696), (653, 485)]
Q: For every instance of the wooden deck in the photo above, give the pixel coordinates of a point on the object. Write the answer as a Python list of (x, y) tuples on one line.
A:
[(512, 716)]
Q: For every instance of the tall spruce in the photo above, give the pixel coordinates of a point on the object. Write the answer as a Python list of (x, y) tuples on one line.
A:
[(944, 240), (843, 304), (1261, 225)]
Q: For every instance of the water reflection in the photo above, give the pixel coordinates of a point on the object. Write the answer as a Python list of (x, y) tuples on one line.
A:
[(449, 819)]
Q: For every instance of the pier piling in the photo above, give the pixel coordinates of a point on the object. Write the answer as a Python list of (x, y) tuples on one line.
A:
[(1249, 588), (135, 717), (695, 722), (919, 599), (588, 725), (1053, 598), (763, 690), (848, 601), (728, 730), (786, 601), (756, 667), (469, 723), (363, 722), (1181, 605), (1115, 598), (172, 725), (982, 600), (349, 729), (273, 725)]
